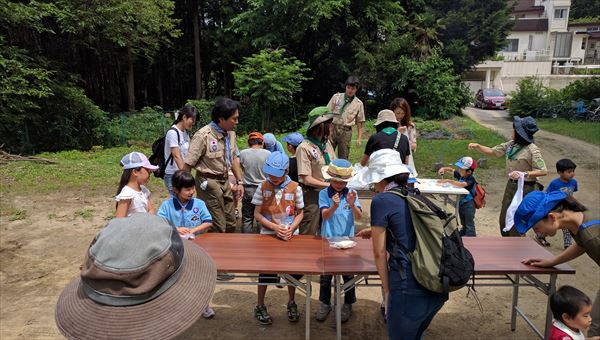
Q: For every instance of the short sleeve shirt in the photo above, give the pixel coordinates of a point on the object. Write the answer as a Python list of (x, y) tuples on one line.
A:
[(207, 151), (520, 158), (189, 215), (173, 141), (354, 112), (589, 238), (381, 140), (252, 161), (341, 223), (470, 186), (139, 199), (558, 185), (310, 160), (257, 199)]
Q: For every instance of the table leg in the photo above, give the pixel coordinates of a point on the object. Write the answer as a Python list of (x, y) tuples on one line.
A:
[(307, 312), (551, 290), (515, 303), (456, 213), (338, 306)]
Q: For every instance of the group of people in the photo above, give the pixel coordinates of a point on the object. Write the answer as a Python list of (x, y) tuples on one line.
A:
[(309, 193)]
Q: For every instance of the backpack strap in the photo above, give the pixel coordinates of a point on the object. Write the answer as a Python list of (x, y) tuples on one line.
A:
[(170, 159), (398, 136), (589, 223)]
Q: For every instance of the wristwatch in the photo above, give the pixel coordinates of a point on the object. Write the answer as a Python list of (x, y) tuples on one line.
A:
[(526, 173)]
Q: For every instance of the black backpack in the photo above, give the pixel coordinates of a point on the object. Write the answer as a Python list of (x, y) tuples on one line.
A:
[(440, 262), (158, 155)]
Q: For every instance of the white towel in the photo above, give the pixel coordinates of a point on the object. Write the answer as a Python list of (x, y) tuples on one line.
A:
[(512, 208)]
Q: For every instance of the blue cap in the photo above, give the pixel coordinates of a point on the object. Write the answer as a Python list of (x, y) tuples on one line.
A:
[(270, 139), (276, 164), (294, 138), (534, 207)]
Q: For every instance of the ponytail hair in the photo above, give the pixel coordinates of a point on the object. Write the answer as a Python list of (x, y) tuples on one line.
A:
[(186, 111), (125, 176), (569, 203)]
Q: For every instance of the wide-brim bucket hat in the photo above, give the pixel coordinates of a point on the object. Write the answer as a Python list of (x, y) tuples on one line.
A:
[(386, 116), (318, 115), (526, 127), (383, 164), (163, 312), (340, 170)]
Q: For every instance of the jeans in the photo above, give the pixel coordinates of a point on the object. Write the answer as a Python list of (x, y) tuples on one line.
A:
[(169, 183), (325, 290), (410, 312), (466, 211), (248, 210)]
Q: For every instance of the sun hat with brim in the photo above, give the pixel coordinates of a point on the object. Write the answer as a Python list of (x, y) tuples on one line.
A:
[(134, 160), (256, 135), (526, 127), (466, 163), (318, 115), (276, 164), (139, 280), (340, 170), (294, 138), (386, 116), (534, 207), (383, 163)]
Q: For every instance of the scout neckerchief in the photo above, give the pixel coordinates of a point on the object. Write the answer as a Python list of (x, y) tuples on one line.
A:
[(513, 151), (347, 100), (321, 147), (331, 192), (228, 157), (389, 130)]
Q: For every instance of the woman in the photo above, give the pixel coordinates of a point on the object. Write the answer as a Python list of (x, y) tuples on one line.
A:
[(311, 155), (546, 213), (409, 307), (403, 114), (177, 142), (387, 137), (522, 157)]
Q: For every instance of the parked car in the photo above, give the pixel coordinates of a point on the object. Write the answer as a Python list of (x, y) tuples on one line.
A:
[(490, 99)]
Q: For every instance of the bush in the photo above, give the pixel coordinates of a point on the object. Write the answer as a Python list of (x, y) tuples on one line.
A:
[(584, 89), (204, 108)]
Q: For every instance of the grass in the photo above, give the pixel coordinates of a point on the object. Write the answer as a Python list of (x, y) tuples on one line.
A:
[(585, 131)]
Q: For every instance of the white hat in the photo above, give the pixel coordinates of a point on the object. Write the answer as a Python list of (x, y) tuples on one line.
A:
[(383, 163)]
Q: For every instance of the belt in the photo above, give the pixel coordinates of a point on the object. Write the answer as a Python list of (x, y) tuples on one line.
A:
[(526, 182), (345, 127), (211, 176)]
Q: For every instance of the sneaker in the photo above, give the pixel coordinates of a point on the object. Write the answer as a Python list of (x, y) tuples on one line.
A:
[(346, 312), (208, 313), (261, 314), (292, 312), (225, 277), (323, 312)]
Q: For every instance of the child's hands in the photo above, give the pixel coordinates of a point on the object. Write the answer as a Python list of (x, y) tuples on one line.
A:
[(473, 146), (402, 129), (441, 171), (442, 181), (284, 232), (336, 199), (537, 262), (365, 233), (184, 231), (351, 198)]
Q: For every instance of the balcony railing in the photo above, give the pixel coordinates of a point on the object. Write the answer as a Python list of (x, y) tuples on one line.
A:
[(527, 55)]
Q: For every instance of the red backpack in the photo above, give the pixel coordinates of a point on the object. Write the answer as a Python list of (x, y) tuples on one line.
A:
[(479, 197)]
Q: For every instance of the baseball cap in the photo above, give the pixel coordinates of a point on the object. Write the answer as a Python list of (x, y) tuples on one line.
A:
[(276, 164), (256, 135), (136, 159), (466, 163), (534, 207), (294, 138)]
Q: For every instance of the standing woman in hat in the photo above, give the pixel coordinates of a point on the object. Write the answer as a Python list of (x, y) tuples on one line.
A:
[(312, 154), (522, 157), (387, 137)]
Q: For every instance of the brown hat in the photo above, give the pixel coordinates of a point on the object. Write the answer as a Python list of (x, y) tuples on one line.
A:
[(386, 116), (139, 280)]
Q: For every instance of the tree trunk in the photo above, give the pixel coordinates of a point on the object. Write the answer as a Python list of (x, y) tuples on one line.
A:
[(197, 56), (130, 83)]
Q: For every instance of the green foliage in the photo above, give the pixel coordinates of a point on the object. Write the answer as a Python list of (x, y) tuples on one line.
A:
[(582, 130), (583, 20), (528, 97), (204, 108), (585, 89), (584, 8)]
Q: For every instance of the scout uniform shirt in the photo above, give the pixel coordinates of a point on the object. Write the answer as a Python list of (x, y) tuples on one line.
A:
[(521, 158), (588, 236), (207, 152), (310, 159), (354, 112)]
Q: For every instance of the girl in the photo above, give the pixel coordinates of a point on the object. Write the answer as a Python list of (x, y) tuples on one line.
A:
[(132, 195), (177, 142)]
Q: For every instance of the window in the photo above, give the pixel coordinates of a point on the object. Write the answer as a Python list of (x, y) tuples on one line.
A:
[(530, 44), (512, 46), (560, 13), (562, 47), (583, 41)]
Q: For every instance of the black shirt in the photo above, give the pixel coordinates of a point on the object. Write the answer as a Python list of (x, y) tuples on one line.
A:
[(381, 140), (293, 169)]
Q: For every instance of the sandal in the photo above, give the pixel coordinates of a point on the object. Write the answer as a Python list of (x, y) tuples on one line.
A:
[(292, 312), (261, 314)]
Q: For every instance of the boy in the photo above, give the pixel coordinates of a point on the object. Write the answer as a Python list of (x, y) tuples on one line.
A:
[(252, 160), (293, 140), (571, 311), (466, 209), (278, 208), (339, 208), (567, 184)]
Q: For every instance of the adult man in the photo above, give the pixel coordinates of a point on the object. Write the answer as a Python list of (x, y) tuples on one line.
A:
[(347, 110), (213, 151)]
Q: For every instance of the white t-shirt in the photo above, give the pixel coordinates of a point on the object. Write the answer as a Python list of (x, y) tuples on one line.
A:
[(139, 199), (170, 142)]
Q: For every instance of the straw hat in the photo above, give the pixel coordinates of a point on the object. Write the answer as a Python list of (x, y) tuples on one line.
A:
[(339, 170), (386, 116)]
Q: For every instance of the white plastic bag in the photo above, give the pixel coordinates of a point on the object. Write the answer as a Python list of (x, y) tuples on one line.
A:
[(512, 208)]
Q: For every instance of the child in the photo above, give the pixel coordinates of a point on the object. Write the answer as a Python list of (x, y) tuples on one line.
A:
[(293, 140), (187, 214), (132, 195), (252, 161), (466, 209), (567, 184), (279, 205), (339, 208), (571, 310), (271, 143)]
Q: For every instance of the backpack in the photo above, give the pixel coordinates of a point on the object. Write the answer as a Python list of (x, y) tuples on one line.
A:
[(440, 262), (479, 196), (158, 155)]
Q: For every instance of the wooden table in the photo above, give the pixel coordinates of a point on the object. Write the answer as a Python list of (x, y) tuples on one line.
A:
[(496, 259)]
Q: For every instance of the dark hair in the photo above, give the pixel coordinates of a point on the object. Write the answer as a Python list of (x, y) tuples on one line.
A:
[(183, 179), (565, 164), (403, 105), (293, 146), (569, 203), (186, 111), (255, 141), (518, 139), (224, 108), (352, 80), (125, 176), (320, 131), (400, 179), (384, 125), (568, 300)]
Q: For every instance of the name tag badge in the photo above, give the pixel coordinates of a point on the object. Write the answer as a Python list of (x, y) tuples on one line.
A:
[(267, 193), (213, 145), (289, 197)]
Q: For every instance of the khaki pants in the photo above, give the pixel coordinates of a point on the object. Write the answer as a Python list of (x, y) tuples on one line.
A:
[(341, 137), (509, 193), (311, 222), (219, 201), (595, 327)]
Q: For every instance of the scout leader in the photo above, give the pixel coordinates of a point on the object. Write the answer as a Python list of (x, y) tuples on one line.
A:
[(213, 151)]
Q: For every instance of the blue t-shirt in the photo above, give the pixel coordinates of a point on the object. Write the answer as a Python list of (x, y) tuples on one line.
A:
[(193, 214), (558, 185), (470, 186), (341, 223), (390, 211)]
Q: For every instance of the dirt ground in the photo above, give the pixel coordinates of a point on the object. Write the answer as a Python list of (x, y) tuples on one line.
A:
[(39, 255)]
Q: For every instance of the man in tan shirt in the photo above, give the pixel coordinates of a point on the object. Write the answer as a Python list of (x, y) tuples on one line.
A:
[(213, 151), (347, 111)]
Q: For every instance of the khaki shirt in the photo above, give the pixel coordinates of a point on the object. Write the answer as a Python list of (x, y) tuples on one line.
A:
[(310, 159), (353, 113), (589, 238), (207, 151), (527, 159)]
